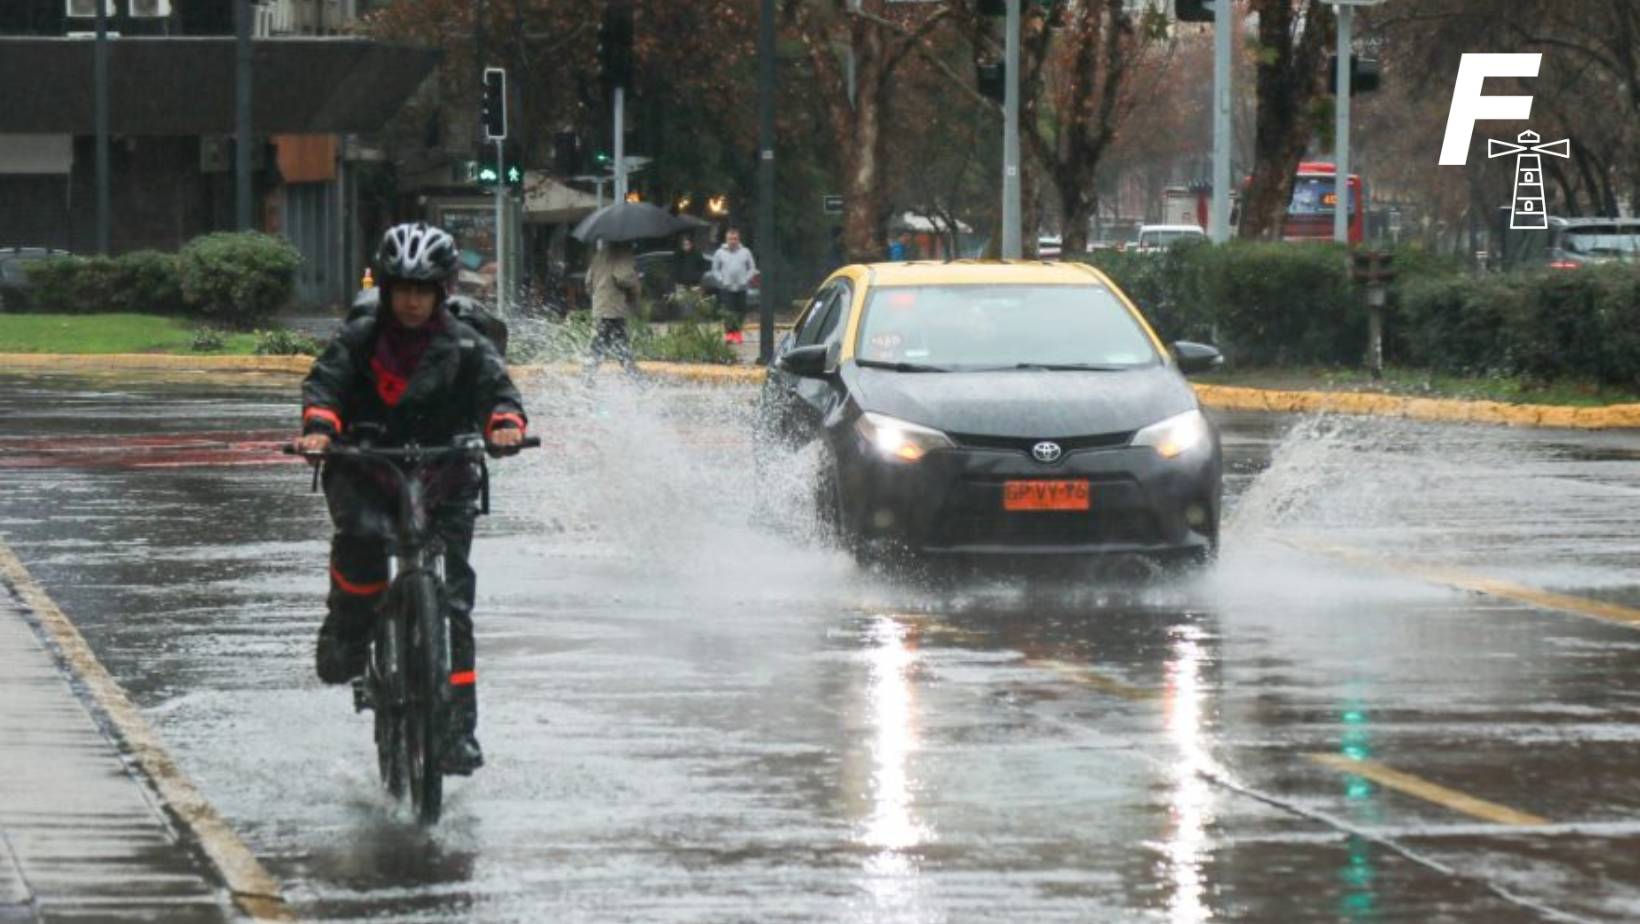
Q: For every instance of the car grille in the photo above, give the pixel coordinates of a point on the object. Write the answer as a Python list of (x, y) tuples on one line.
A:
[(974, 516), (1022, 444)]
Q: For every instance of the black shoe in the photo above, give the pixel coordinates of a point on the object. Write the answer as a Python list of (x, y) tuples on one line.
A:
[(338, 659), (462, 756)]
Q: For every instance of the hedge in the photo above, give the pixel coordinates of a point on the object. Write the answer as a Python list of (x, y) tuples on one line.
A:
[(1281, 304), (237, 278), (232, 278)]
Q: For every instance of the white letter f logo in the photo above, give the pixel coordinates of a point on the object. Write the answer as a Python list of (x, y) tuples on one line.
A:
[(1469, 106)]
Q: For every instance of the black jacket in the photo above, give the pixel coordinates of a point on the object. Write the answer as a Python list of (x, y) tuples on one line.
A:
[(460, 386)]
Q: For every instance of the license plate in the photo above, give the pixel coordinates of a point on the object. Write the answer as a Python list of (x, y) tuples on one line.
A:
[(1045, 495)]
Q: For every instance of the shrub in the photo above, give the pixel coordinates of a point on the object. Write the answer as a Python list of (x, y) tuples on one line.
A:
[(54, 285), (685, 343), (282, 342), (207, 340), (146, 282), (237, 278)]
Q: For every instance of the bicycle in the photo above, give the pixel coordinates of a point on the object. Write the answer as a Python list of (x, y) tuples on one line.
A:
[(407, 681)]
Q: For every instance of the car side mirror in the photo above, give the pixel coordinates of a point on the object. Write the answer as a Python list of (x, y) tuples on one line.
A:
[(1196, 357), (809, 361)]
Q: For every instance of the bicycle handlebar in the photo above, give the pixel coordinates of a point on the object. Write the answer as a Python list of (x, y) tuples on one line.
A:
[(467, 446)]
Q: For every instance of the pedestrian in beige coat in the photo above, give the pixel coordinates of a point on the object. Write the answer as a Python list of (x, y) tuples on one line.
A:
[(612, 278)]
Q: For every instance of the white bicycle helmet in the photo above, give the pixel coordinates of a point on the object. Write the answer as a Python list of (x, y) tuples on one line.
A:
[(416, 252)]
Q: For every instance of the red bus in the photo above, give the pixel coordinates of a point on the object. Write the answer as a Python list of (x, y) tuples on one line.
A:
[(1315, 199)]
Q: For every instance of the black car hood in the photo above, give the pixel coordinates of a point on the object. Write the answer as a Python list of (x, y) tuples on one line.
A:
[(1026, 404)]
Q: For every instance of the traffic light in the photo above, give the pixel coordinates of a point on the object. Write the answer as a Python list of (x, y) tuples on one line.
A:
[(1365, 75), (1193, 10), (493, 110), (991, 77), (615, 43)]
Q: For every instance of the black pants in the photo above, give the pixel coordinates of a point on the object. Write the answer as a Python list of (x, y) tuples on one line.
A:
[(362, 509), (612, 342), (733, 305)]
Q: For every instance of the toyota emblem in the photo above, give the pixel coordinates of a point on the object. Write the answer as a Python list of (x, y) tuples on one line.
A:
[(1046, 452)]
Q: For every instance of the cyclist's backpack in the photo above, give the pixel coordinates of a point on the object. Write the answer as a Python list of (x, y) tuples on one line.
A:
[(465, 310)]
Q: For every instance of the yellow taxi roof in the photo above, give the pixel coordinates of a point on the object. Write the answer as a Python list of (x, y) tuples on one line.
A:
[(981, 272)]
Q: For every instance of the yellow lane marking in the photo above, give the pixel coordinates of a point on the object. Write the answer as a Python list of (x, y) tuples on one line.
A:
[(254, 890), (1420, 788), (1088, 677), (1492, 587)]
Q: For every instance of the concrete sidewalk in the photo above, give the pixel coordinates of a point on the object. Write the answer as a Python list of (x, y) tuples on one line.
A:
[(81, 838)]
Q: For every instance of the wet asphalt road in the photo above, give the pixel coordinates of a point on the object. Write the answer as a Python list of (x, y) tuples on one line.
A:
[(692, 713)]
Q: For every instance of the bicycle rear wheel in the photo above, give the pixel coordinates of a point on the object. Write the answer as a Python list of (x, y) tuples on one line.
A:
[(427, 659)]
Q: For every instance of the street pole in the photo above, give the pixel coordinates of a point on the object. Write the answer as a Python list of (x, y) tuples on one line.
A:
[(1224, 29), (500, 230), (104, 181), (1011, 247), (242, 113), (620, 144), (1342, 194), (765, 180)]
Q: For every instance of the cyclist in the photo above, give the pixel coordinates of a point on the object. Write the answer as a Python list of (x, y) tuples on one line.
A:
[(411, 372)]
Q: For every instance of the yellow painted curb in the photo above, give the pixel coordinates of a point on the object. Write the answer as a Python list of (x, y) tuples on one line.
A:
[(252, 887), (1219, 397), (1229, 398), (161, 362)]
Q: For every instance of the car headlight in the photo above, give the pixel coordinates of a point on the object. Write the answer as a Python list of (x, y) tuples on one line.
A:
[(1174, 436), (898, 439)]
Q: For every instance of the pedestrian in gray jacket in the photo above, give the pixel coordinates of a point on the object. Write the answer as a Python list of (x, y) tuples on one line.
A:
[(612, 278), (733, 267)]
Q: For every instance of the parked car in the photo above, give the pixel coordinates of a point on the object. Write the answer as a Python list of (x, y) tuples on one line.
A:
[(1567, 244), (15, 292), (1157, 238), (983, 408)]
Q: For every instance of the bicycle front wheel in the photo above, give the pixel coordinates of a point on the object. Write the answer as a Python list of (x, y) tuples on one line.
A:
[(428, 671)]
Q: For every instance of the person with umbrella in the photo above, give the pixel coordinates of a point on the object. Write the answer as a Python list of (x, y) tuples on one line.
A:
[(612, 273), (612, 278)]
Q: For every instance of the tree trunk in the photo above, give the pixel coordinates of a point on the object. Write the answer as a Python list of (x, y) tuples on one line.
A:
[(1289, 80), (863, 163)]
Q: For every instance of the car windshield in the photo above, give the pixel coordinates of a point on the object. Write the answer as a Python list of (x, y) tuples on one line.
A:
[(15, 269), (1606, 240), (1314, 195), (964, 327)]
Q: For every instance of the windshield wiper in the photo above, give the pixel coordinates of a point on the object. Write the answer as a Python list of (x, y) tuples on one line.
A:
[(900, 367), (1069, 367)]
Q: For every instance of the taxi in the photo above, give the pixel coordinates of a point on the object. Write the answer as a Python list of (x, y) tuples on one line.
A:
[(996, 408)]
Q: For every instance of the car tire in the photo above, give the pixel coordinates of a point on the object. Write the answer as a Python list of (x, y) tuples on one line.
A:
[(834, 527)]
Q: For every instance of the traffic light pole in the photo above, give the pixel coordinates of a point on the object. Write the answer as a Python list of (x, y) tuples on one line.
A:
[(100, 67), (620, 144), (242, 115), (1224, 28), (765, 182), (500, 229), (1011, 244), (1343, 195)]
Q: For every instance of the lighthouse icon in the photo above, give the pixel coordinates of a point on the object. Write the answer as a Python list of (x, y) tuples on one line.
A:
[(1528, 210)]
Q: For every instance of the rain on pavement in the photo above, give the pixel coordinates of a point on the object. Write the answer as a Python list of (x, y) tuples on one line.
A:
[(694, 712)]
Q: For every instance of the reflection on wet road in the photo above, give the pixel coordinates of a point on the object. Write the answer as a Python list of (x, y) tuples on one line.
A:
[(693, 713)]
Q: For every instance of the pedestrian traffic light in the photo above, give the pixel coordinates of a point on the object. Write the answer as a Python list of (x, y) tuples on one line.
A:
[(493, 109), (1365, 75), (991, 77), (1193, 10), (615, 43)]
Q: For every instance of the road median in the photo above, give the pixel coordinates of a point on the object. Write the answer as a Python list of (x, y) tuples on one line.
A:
[(1219, 397)]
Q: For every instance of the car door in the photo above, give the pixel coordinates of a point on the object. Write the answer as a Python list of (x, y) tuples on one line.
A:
[(814, 399), (780, 386)]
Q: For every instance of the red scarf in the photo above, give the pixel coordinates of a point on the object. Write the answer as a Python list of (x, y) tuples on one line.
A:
[(398, 352)]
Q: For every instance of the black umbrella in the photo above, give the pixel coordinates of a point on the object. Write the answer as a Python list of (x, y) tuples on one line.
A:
[(628, 221)]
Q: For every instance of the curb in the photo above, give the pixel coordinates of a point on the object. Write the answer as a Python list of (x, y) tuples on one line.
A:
[(1218, 397), (253, 889)]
